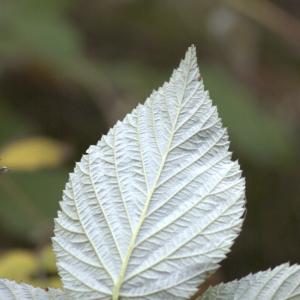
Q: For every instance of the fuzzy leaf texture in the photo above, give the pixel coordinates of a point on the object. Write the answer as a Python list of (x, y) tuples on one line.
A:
[(9, 290), (151, 210), (281, 283)]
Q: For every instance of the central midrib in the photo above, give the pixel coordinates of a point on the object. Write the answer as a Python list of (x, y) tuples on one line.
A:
[(119, 282)]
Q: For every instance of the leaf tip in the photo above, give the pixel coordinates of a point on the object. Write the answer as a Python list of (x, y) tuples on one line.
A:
[(191, 53)]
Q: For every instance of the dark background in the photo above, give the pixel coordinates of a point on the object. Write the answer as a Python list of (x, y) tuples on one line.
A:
[(70, 69)]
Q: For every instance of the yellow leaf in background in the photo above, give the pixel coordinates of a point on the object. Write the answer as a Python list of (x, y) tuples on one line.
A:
[(32, 154), (35, 268), (18, 265)]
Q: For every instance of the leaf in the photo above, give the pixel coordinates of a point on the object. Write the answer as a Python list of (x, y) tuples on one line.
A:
[(153, 208), (261, 137), (33, 153), (9, 290), (281, 283)]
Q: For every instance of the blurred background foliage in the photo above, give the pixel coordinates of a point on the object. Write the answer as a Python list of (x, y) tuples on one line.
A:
[(36, 268), (70, 69)]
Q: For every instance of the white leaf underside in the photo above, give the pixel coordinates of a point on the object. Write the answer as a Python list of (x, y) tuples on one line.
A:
[(281, 283), (153, 208), (10, 290)]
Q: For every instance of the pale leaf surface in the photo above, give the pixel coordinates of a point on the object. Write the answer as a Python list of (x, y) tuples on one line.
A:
[(10, 290), (281, 283), (153, 208)]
